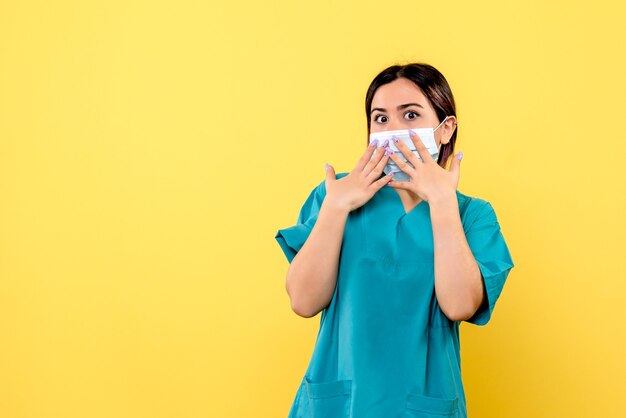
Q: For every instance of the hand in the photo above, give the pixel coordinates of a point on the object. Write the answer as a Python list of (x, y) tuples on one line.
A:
[(428, 179), (355, 189)]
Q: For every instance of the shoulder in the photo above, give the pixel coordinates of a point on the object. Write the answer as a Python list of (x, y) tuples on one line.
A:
[(473, 209)]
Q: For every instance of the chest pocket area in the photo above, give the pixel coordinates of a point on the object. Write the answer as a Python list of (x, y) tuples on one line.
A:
[(330, 399), (422, 406)]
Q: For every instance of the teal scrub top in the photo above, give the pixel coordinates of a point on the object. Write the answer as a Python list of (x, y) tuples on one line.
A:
[(384, 348)]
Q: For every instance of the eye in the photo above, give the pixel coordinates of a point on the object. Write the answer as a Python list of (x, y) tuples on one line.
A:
[(411, 113), (376, 118)]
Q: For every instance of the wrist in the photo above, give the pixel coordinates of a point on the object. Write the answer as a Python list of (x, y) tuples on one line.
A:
[(337, 208), (444, 198)]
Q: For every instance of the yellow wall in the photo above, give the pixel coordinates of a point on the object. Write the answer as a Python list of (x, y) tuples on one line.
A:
[(149, 151)]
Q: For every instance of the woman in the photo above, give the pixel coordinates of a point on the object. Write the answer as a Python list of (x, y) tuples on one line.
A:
[(394, 266)]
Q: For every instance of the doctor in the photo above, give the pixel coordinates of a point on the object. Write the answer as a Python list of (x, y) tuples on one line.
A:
[(394, 266)]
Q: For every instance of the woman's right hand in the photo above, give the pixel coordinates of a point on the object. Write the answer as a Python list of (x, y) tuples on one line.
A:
[(355, 189)]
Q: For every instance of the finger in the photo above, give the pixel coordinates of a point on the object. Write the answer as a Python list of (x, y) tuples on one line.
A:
[(378, 169), (408, 154), (330, 173), (378, 184), (376, 158), (455, 165), (367, 155), (396, 184), (421, 148), (403, 165)]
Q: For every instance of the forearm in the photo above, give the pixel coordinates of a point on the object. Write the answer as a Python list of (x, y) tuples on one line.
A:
[(312, 274), (458, 281)]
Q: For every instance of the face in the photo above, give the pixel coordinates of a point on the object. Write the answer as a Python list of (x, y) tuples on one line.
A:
[(402, 105)]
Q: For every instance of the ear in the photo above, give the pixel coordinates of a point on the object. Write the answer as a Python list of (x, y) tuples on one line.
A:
[(447, 129)]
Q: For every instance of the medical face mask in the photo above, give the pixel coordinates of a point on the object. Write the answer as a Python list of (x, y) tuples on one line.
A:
[(427, 135)]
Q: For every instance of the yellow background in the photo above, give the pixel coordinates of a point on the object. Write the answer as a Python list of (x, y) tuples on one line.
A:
[(149, 151)]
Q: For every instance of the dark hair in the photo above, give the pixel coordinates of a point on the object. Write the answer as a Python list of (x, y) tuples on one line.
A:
[(434, 86)]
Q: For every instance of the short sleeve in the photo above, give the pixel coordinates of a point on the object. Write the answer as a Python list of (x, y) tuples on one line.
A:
[(489, 248), (292, 238)]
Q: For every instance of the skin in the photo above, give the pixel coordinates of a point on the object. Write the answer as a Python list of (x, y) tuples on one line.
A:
[(312, 274)]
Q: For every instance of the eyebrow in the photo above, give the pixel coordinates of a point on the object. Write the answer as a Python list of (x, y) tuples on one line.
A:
[(402, 106)]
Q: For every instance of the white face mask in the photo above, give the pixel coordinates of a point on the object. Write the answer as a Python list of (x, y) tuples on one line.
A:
[(427, 135)]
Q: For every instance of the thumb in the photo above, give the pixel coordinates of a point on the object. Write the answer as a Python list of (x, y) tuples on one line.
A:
[(330, 172), (455, 165)]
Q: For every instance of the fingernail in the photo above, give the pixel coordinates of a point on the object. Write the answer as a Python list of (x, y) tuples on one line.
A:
[(386, 143), (388, 152), (411, 133), (395, 139), (326, 166), (374, 143), (459, 155)]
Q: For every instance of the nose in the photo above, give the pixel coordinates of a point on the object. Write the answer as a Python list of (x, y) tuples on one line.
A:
[(396, 125)]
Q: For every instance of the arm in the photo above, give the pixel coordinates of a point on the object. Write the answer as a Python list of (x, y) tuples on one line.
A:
[(312, 274), (458, 282)]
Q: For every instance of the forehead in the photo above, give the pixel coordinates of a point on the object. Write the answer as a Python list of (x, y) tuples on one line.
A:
[(399, 91)]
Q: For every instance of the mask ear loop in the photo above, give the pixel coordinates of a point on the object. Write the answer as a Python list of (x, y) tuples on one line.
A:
[(446, 118)]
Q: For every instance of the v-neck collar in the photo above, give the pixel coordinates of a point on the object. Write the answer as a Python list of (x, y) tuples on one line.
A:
[(422, 205)]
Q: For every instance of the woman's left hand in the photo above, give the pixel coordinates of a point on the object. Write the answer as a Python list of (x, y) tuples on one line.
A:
[(428, 179)]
